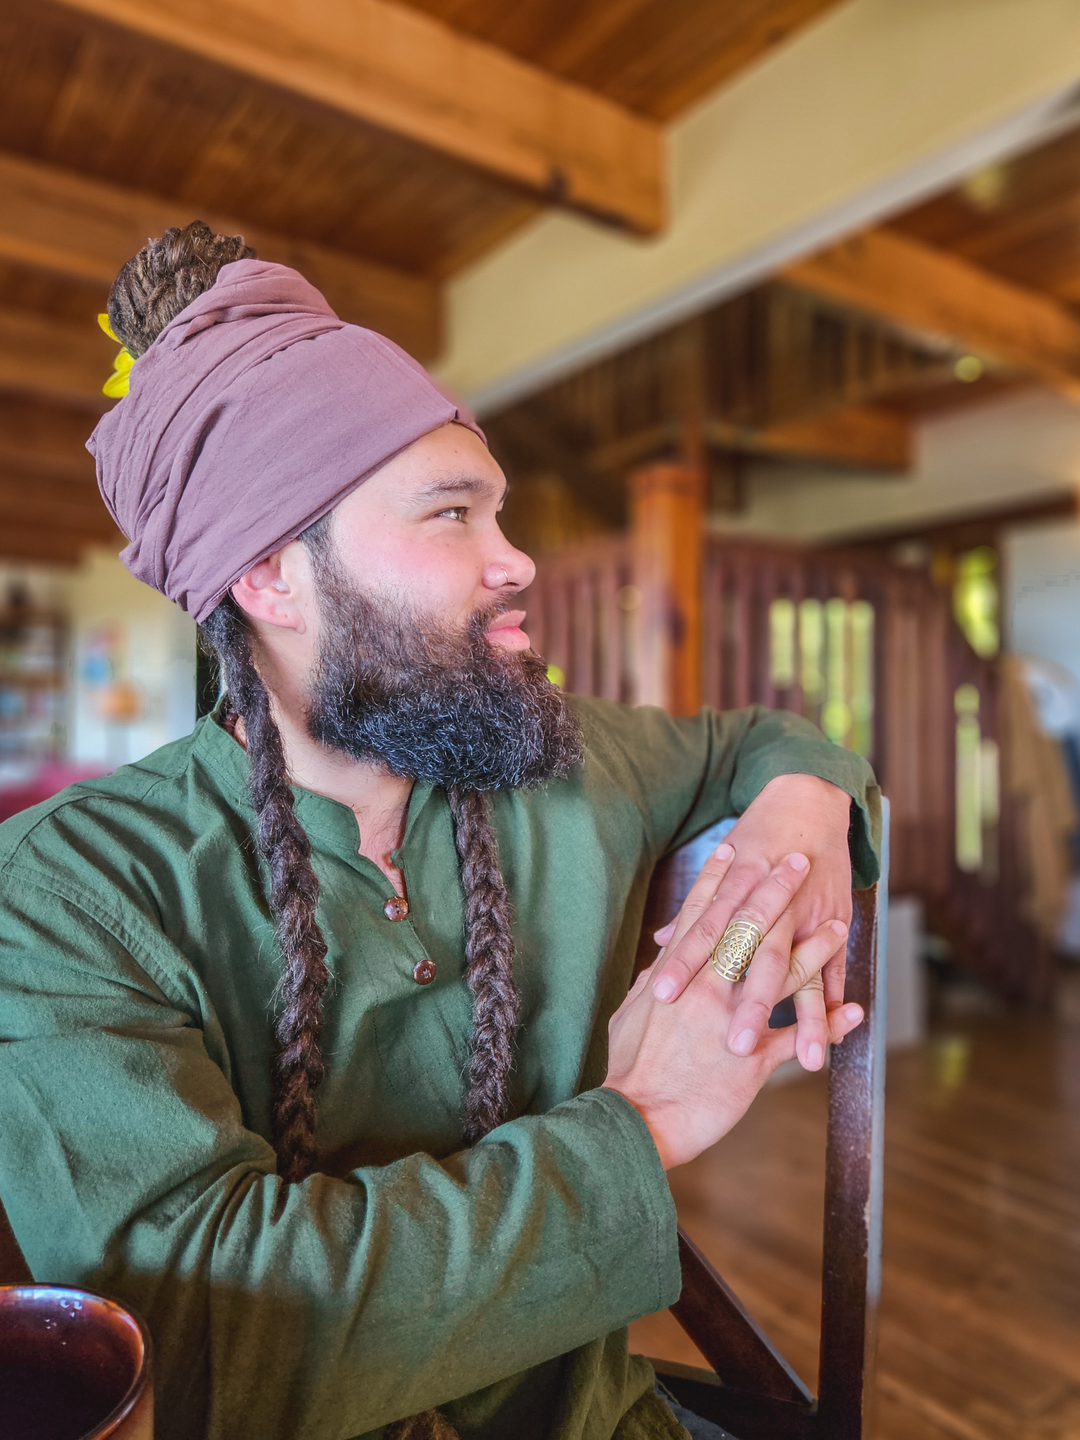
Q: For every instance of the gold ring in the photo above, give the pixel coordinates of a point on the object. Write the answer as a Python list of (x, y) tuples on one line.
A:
[(732, 955)]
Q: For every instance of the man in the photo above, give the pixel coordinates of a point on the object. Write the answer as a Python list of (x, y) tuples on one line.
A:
[(308, 1014)]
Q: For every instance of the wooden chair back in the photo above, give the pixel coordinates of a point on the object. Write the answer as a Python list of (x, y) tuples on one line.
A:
[(752, 1391)]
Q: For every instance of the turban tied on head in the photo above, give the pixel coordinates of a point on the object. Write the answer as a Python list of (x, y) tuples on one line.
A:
[(249, 417)]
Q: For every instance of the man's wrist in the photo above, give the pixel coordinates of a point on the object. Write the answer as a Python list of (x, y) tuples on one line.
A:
[(666, 1159), (825, 792)]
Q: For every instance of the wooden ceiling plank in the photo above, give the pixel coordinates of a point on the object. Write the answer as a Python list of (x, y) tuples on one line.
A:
[(54, 360), (409, 74), (764, 28), (72, 225), (860, 437), (654, 56), (39, 439), (919, 288), (863, 437), (30, 500), (50, 544)]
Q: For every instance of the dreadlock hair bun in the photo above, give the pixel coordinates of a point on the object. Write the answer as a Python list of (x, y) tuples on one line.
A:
[(165, 277)]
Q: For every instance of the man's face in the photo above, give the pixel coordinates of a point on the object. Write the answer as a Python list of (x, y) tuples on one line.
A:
[(424, 532), (422, 667)]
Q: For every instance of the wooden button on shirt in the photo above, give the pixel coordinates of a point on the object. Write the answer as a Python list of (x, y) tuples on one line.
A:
[(424, 972), (396, 908)]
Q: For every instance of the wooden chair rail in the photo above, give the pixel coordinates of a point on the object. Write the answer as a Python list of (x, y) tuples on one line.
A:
[(752, 1391)]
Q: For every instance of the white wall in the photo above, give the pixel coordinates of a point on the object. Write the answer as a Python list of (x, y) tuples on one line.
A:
[(1011, 451), (865, 111), (153, 646), (1042, 599)]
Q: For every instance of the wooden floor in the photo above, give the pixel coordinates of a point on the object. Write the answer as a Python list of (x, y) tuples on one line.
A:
[(980, 1322)]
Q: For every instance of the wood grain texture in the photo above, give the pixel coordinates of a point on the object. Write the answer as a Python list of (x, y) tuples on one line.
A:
[(666, 507), (137, 113), (403, 72), (864, 436), (35, 501), (980, 1329), (52, 545), (39, 439), (656, 56), (1019, 218), (57, 220), (58, 360), (931, 291)]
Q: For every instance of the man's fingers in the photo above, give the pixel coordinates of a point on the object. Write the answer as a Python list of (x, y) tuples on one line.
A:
[(776, 1047), (763, 906), (761, 988), (809, 958), (778, 976), (811, 1024), (843, 1020), (701, 894), (834, 973)]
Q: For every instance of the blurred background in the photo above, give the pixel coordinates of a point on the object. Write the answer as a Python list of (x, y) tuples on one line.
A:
[(770, 311)]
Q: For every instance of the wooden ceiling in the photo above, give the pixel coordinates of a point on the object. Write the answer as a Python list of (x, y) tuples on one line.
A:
[(380, 145), (1019, 219), (964, 298), (654, 56)]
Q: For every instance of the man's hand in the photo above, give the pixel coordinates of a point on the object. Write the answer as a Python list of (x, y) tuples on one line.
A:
[(795, 815), (666, 1060)]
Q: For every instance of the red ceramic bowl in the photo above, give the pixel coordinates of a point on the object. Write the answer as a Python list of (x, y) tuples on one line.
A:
[(73, 1366)]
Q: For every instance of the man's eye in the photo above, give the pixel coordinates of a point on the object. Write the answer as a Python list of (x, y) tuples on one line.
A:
[(455, 512)]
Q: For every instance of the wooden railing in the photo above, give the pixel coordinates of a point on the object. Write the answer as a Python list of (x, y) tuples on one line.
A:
[(867, 649), (583, 618)]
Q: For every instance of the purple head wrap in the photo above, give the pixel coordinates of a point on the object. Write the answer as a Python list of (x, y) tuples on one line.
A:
[(250, 416)]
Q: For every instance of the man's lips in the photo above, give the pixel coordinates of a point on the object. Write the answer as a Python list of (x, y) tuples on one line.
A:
[(506, 630)]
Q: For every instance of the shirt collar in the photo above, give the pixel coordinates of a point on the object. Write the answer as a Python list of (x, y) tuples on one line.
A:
[(331, 825)]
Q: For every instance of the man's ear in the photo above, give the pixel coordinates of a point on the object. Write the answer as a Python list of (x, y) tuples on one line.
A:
[(276, 590)]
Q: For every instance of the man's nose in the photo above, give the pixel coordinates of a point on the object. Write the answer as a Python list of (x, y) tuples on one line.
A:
[(512, 571)]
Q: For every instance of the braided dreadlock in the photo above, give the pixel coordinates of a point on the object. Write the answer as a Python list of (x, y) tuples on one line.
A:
[(489, 958), (294, 894), (151, 289)]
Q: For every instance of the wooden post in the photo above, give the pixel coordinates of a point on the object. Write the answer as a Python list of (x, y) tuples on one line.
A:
[(666, 505)]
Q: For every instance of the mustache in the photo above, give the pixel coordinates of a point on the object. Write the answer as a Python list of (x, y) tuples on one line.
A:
[(435, 701)]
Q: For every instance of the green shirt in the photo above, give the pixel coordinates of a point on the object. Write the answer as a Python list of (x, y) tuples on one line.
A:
[(138, 968)]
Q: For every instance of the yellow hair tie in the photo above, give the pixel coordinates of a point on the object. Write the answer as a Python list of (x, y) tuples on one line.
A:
[(117, 383)]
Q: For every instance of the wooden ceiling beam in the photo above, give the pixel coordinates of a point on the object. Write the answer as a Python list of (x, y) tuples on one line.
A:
[(51, 545), (408, 73), (865, 437), (73, 225), (39, 439), (49, 519), (919, 288), (30, 501), (55, 360)]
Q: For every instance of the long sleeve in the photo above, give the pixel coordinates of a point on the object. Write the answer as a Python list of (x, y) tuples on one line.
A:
[(322, 1309), (685, 774)]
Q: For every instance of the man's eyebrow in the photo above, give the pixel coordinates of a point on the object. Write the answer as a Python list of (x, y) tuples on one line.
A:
[(459, 485)]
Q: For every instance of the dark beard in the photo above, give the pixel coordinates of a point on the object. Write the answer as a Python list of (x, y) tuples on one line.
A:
[(429, 702)]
